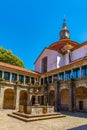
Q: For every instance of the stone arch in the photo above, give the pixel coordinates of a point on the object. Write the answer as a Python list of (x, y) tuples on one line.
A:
[(63, 88), (52, 97), (81, 99), (9, 102), (81, 86), (64, 96), (23, 97)]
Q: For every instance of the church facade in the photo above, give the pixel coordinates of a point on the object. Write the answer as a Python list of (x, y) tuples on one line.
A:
[(64, 69), (61, 69)]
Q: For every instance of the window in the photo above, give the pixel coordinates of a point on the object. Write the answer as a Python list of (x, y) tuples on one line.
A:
[(55, 77), (68, 74), (32, 80), (0, 74), (14, 77), (61, 76), (50, 79), (84, 70), (76, 73), (21, 78), (7, 75), (45, 80), (27, 79), (44, 65)]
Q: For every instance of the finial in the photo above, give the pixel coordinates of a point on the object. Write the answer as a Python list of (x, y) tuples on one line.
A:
[(64, 33), (64, 23)]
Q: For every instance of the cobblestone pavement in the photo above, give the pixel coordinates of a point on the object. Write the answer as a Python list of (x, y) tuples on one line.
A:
[(75, 121)]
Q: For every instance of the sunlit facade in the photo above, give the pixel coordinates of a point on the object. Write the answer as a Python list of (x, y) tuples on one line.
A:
[(66, 73), (61, 68)]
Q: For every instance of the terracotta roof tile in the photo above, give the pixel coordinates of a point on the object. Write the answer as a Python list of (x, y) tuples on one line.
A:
[(17, 68), (58, 45)]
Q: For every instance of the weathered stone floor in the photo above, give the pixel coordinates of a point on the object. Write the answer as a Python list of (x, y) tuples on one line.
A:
[(75, 121)]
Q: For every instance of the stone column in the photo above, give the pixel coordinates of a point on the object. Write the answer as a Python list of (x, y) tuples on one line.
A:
[(10, 77), (17, 96), (2, 74), (64, 76), (58, 96), (52, 78), (1, 96), (24, 80), (72, 95), (30, 80), (47, 94), (28, 99), (70, 99)]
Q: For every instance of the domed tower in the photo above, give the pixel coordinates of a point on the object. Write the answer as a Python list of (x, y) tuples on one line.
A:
[(64, 33)]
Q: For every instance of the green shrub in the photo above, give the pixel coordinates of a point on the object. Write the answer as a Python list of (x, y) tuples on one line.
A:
[(8, 57)]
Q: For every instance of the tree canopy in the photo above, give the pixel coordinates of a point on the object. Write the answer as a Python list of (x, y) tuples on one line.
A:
[(8, 57)]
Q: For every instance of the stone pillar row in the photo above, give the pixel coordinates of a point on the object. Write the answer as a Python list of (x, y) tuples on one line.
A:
[(72, 96), (11, 76), (64, 74)]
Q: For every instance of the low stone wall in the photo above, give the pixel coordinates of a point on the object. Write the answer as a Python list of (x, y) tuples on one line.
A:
[(38, 109)]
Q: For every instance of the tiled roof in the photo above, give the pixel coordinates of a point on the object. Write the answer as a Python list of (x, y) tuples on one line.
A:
[(79, 46), (56, 46), (17, 68), (61, 43)]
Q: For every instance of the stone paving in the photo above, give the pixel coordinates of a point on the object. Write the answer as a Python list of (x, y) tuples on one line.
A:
[(75, 121)]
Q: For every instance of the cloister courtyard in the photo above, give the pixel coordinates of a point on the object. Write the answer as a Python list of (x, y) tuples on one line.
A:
[(72, 121)]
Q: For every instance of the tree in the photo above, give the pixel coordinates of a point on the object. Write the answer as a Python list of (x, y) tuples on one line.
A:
[(8, 57)]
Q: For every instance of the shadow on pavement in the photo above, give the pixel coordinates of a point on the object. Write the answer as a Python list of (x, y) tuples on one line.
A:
[(83, 127), (75, 114)]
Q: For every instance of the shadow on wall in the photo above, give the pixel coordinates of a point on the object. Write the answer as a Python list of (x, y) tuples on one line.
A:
[(75, 114), (83, 127)]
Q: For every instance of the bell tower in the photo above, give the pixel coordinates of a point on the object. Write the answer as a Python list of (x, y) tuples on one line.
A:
[(64, 33)]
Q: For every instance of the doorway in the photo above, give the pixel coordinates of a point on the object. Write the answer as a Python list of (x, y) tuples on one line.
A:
[(9, 99)]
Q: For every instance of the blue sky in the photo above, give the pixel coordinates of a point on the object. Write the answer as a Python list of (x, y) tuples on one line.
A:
[(27, 26)]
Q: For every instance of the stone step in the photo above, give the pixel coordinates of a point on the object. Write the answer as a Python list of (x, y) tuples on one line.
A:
[(36, 118), (33, 116)]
